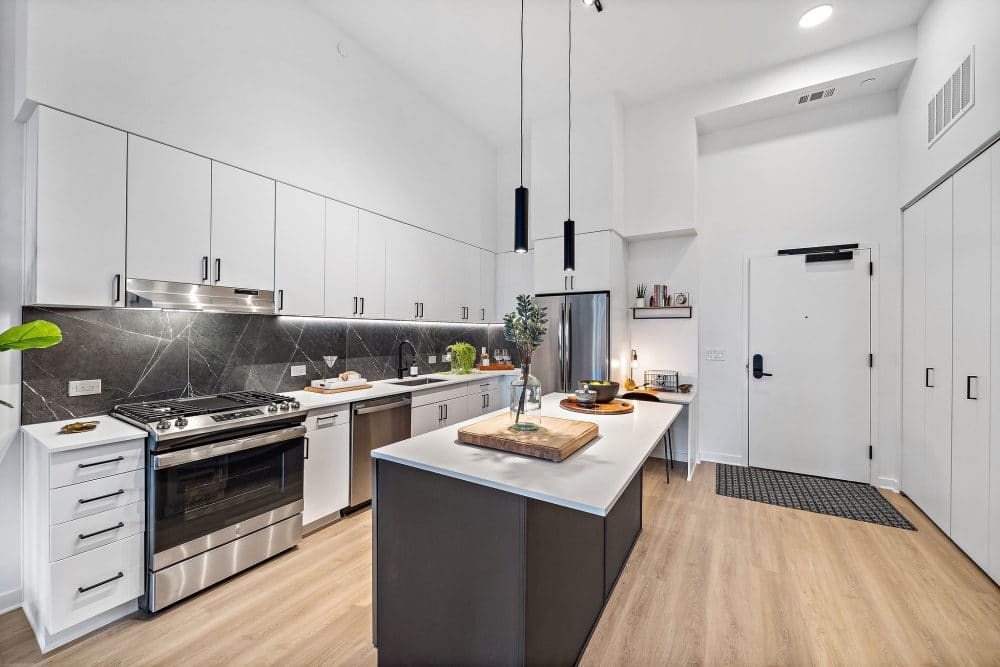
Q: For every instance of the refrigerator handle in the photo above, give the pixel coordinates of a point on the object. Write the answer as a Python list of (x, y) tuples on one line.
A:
[(560, 346), (569, 348)]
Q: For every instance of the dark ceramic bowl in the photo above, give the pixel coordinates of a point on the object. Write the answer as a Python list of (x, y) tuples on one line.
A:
[(605, 392)]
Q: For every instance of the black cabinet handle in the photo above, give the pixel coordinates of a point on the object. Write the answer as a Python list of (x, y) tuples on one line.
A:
[(118, 288), (362, 306), (968, 387), (421, 310), (100, 463), (204, 268), (483, 318), (84, 501), (446, 411), (355, 305), (281, 299), (416, 309), (306, 453), (83, 536), (927, 377), (441, 412), (84, 589), (218, 269)]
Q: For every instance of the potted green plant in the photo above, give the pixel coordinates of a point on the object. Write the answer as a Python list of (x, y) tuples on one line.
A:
[(27, 336), (463, 355), (525, 327), (640, 295)]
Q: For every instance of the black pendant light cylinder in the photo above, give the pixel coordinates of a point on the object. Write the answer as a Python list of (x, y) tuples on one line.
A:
[(521, 219), (569, 245)]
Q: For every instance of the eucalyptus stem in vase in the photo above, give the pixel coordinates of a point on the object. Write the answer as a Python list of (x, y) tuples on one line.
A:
[(525, 327)]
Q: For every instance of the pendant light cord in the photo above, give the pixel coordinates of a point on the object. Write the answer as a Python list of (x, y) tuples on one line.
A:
[(522, 94), (569, 112)]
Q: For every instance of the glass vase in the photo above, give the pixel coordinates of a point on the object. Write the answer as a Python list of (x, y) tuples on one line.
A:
[(526, 416)]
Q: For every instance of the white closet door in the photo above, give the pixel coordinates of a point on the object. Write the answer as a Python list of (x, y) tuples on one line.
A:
[(994, 380), (242, 228), (914, 352), (299, 246), (970, 442), (938, 364), (341, 260)]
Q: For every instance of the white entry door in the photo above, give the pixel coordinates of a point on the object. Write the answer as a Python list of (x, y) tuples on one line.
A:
[(810, 322)]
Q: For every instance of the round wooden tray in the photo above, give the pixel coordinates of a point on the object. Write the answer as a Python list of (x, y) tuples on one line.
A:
[(615, 407)]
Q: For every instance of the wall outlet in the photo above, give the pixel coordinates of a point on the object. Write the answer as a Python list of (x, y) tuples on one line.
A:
[(715, 354), (432, 359), (84, 387), (298, 370), (447, 357)]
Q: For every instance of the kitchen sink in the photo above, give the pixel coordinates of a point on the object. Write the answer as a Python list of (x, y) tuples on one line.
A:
[(416, 382)]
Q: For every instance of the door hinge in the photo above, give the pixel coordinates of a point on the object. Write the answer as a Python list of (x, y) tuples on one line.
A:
[(871, 361), (869, 452), (871, 268)]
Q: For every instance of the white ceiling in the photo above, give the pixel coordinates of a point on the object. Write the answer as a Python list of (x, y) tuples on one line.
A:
[(464, 53)]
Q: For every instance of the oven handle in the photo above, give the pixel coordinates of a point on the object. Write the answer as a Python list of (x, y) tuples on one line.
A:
[(180, 457)]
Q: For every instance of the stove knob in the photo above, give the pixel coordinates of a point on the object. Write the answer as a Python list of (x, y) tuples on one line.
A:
[(285, 406), (295, 405), (181, 421), (272, 408), (163, 424)]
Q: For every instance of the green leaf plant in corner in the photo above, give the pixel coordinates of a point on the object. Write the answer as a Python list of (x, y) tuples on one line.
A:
[(525, 327), (464, 355), (29, 336)]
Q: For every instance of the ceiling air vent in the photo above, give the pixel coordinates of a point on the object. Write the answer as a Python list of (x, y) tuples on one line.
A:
[(952, 100), (817, 95)]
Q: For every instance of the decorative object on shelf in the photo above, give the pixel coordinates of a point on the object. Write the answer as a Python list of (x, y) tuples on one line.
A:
[(632, 365), (615, 407), (29, 336), (525, 327), (521, 192), (661, 380), (640, 295), (662, 313), (463, 356), (680, 299), (569, 227), (606, 391), (78, 427)]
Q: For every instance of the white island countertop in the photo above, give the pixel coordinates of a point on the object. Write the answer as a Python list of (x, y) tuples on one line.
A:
[(590, 480)]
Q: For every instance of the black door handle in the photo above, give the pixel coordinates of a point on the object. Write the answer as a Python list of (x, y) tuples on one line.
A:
[(758, 367)]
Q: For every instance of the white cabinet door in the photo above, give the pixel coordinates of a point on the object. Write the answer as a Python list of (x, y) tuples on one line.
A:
[(341, 260), (371, 264), (242, 228), (914, 353), (300, 227), (482, 402), (487, 287), (515, 275), (593, 263), (403, 266), (169, 213), (327, 472), (76, 211), (938, 355), (548, 266), (970, 423), (994, 530), (432, 276), (456, 410), (462, 289), (426, 418)]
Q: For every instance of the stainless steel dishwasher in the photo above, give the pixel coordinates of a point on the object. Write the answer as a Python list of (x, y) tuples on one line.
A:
[(374, 424)]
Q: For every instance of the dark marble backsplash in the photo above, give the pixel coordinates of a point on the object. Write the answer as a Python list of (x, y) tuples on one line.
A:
[(142, 355)]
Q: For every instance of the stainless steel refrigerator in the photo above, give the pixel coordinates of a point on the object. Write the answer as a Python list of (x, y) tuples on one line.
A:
[(577, 345)]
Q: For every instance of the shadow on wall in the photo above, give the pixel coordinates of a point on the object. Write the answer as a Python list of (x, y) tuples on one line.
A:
[(142, 355)]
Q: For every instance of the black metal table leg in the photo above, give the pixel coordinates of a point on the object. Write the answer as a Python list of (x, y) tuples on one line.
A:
[(666, 453), (670, 443)]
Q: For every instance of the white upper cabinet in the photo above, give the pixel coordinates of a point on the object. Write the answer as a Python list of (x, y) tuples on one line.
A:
[(372, 230), (548, 266), (403, 265), (593, 264), (169, 213), (462, 286), (514, 276), (299, 248), (487, 287), (75, 234), (341, 260), (242, 228)]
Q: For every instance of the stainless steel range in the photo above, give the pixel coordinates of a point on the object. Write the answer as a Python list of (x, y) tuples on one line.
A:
[(223, 486)]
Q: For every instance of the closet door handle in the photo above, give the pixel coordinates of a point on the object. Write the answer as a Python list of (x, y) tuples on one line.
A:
[(968, 387), (928, 377), (118, 287)]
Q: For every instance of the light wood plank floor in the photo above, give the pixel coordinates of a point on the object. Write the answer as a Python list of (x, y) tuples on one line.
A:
[(712, 580)]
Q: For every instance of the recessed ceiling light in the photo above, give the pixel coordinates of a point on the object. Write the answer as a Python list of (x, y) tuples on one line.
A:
[(815, 16)]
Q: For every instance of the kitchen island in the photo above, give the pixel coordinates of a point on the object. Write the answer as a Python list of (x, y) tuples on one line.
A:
[(485, 557)]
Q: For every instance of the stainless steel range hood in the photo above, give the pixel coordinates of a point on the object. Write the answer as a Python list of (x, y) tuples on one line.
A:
[(185, 296)]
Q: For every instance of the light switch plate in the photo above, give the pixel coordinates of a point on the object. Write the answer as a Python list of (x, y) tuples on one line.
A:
[(84, 387), (298, 370), (715, 354), (432, 359)]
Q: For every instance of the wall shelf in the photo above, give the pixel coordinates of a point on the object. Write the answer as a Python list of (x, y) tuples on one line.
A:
[(665, 313)]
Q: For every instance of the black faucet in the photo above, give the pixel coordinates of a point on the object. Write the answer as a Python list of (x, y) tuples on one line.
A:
[(399, 358)]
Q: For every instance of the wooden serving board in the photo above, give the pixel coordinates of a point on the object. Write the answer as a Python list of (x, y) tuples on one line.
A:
[(497, 367), (554, 441), (614, 407), (321, 390)]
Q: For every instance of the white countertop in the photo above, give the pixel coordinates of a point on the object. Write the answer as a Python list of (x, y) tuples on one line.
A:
[(590, 480), (108, 431)]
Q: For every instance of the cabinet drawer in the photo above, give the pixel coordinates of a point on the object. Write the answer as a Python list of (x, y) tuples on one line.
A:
[(82, 465), (94, 531), (437, 395), (90, 583), (327, 417), (484, 386), (96, 496)]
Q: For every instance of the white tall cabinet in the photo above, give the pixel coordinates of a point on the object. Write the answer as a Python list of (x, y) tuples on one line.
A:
[(951, 341)]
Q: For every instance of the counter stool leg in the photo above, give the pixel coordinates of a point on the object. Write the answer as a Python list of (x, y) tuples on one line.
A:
[(670, 443), (666, 450)]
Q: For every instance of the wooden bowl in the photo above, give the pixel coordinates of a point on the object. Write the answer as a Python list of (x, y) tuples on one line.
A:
[(605, 392)]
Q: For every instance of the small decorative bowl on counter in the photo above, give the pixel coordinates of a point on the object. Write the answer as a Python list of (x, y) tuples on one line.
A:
[(606, 391), (585, 397)]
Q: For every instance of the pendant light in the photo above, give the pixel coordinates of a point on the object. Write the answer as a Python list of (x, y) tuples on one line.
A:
[(569, 227), (521, 192)]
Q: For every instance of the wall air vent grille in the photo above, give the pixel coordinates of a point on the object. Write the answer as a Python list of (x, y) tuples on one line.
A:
[(954, 98), (816, 95)]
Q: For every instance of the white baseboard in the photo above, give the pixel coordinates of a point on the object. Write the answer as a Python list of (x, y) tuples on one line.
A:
[(721, 457), (10, 600), (887, 483)]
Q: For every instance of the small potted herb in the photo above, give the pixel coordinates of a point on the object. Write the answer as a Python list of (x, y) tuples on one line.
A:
[(463, 356), (640, 295)]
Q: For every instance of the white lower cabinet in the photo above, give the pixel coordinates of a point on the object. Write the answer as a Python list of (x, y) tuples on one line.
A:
[(327, 468), (433, 416), (484, 397)]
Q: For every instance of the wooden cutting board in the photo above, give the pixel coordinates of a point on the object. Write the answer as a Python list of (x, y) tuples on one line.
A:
[(614, 407), (554, 441), (321, 390)]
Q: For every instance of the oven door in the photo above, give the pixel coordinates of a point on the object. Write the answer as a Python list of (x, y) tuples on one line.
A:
[(210, 494)]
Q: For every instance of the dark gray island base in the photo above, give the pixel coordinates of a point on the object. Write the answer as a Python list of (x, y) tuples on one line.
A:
[(466, 574)]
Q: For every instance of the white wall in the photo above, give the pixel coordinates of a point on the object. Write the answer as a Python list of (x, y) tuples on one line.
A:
[(945, 35), (260, 85), (827, 176), (11, 177)]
